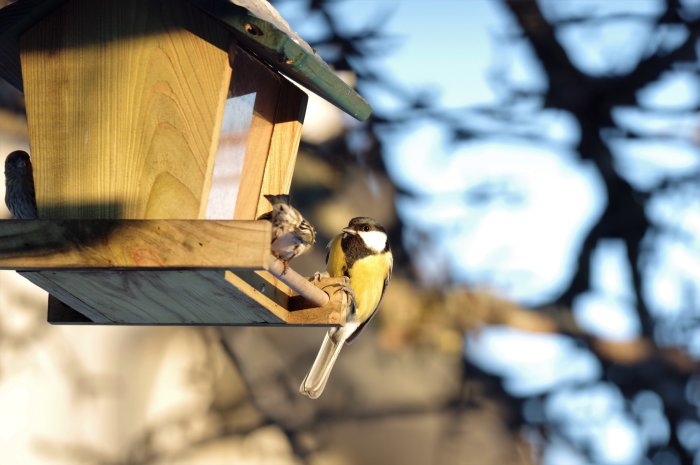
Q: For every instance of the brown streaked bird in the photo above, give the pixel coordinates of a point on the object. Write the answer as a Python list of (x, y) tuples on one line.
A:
[(362, 253), (292, 235), (20, 196)]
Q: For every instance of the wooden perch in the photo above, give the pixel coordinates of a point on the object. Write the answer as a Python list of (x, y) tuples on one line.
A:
[(296, 282), (293, 308)]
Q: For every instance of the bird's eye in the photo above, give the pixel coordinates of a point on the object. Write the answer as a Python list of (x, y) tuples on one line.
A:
[(365, 228)]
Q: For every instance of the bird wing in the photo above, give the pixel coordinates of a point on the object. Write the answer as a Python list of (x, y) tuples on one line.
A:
[(359, 329), (335, 258)]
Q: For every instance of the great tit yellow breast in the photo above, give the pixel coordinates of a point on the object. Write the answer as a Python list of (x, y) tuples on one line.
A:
[(367, 280)]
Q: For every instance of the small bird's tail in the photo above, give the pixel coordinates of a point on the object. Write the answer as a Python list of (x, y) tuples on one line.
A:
[(317, 377)]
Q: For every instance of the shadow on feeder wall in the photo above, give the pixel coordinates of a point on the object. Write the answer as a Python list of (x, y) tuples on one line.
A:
[(87, 210), (18, 237)]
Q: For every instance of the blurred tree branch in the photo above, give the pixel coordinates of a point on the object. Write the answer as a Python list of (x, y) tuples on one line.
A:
[(591, 101)]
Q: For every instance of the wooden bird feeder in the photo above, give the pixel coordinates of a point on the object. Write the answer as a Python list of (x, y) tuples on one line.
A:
[(156, 127)]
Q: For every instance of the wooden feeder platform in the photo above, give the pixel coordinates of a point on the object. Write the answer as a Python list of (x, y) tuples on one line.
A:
[(166, 272), (156, 129)]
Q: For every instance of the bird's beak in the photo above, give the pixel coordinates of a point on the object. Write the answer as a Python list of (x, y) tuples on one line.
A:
[(349, 231)]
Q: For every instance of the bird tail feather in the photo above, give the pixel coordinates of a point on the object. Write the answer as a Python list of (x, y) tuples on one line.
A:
[(317, 377)]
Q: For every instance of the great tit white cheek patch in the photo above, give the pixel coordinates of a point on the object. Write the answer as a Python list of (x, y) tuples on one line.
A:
[(375, 240)]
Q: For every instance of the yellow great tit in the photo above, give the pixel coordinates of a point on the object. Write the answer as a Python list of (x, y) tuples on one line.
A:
[(362, 253), (292, 235), (20, 197)]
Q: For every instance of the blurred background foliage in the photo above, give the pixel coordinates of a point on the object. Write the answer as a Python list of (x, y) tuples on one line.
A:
[(541, 192)]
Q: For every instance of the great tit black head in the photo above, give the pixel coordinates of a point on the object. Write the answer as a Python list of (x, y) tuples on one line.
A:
[(371, 234)]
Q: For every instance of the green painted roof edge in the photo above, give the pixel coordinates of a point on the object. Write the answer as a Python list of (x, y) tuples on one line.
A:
[(287, 56)]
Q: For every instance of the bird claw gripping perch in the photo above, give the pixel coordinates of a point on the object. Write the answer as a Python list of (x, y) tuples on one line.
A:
[(344, 287), (285, 265)]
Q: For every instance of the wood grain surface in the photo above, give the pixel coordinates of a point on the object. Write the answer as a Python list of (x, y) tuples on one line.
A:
[(123, 106), (155, 297), (75, 244)]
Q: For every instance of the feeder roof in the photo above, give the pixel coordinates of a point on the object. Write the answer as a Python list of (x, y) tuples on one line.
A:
[(256, 25)]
